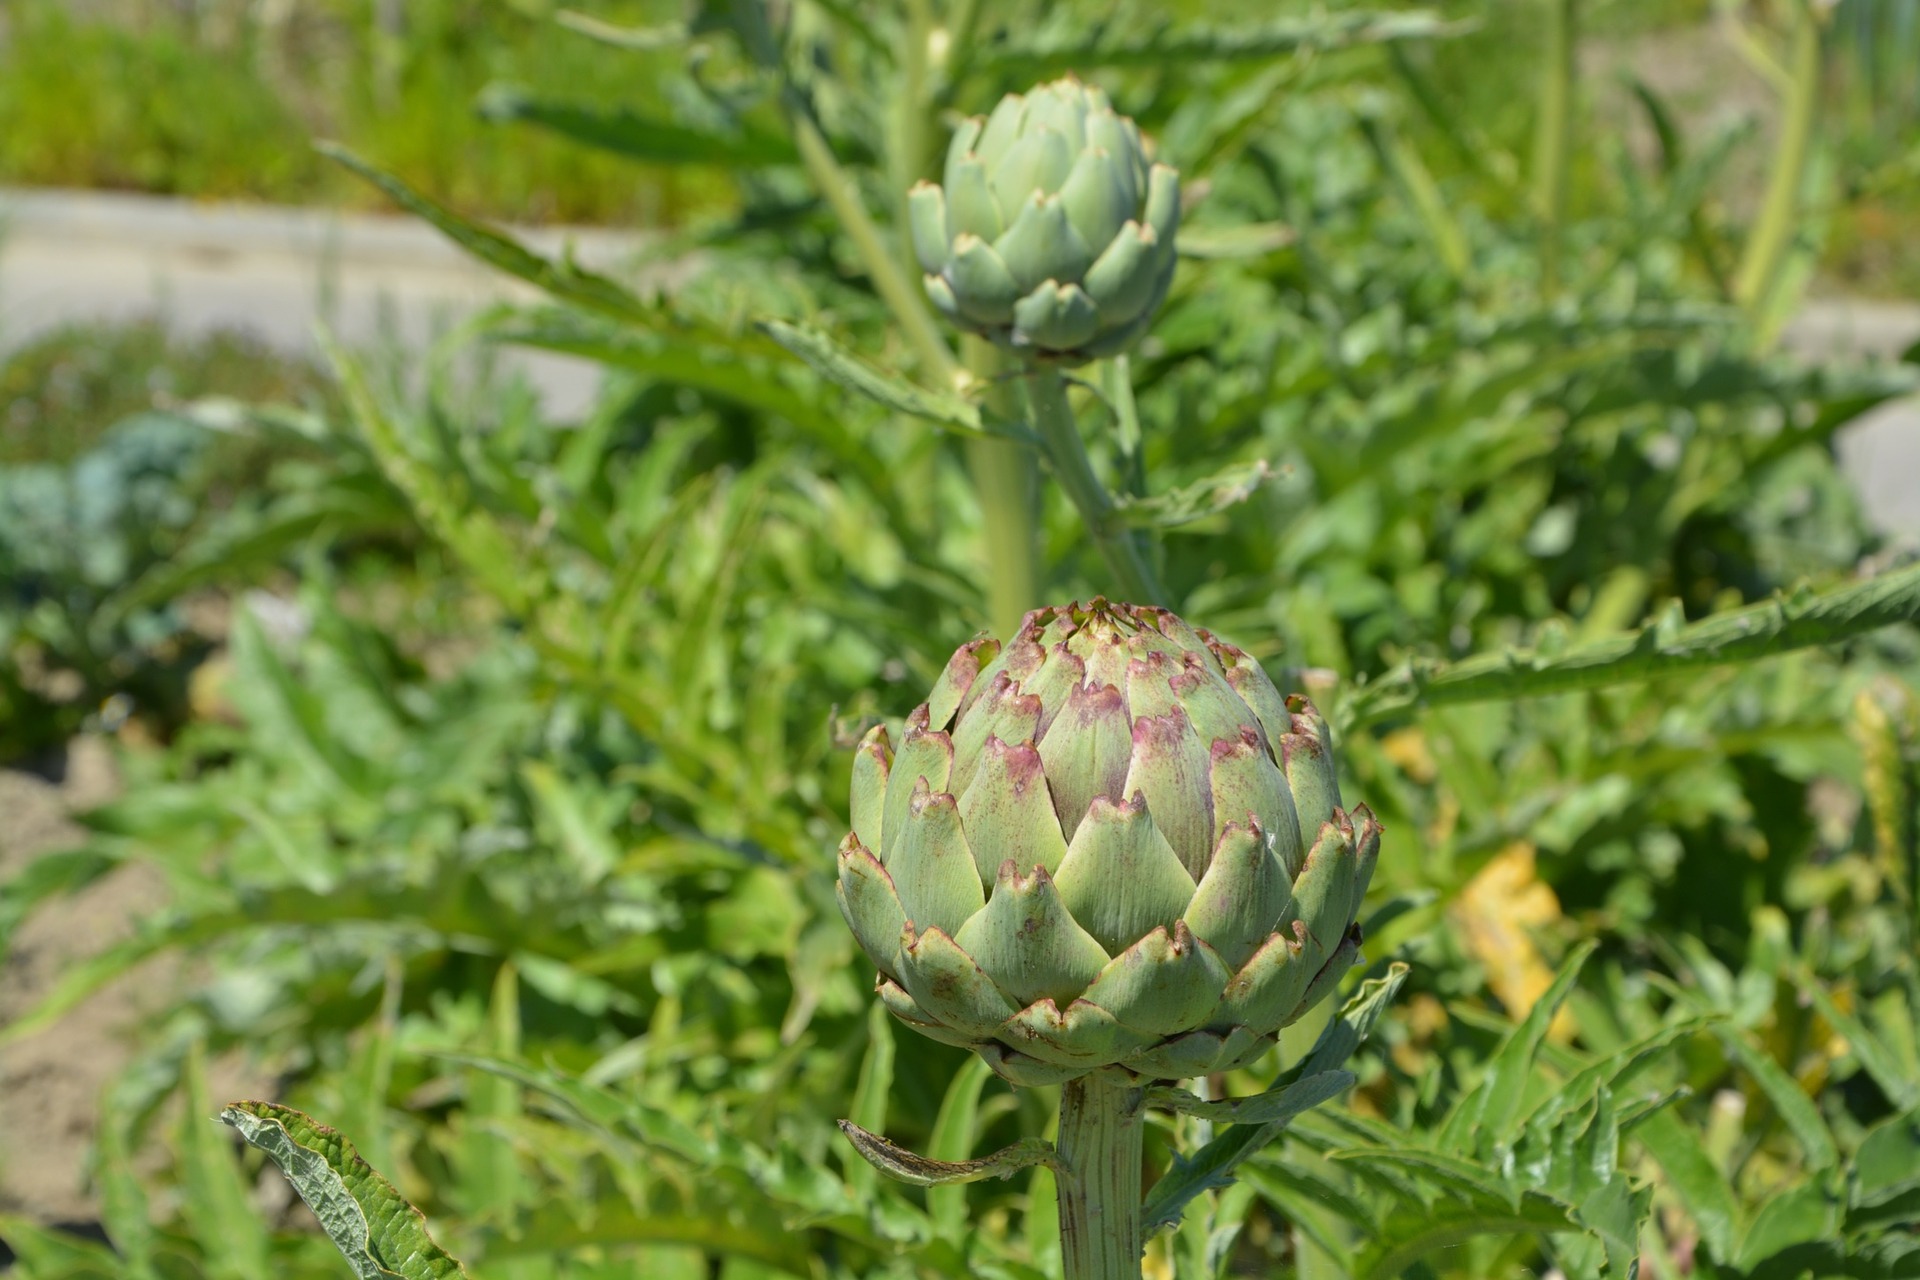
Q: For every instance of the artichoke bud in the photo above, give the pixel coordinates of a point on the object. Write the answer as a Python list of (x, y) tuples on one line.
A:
[(1052, 230), (1109, 842)]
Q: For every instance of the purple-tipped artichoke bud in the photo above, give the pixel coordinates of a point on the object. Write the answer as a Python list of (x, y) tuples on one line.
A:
[(1051, 231), (1109, 842)]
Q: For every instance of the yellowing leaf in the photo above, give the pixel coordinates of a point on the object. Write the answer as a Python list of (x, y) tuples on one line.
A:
[(1408, 750), (1497, 910)]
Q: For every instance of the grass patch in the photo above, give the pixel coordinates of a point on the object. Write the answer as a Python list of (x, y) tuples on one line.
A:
[(61, 391), (165, 101)]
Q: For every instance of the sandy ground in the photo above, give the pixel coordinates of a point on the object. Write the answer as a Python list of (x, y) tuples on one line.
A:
[(50, 1083)]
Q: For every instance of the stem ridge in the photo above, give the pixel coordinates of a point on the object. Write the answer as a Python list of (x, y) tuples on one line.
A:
[(1102, 1140), (1125, 554)]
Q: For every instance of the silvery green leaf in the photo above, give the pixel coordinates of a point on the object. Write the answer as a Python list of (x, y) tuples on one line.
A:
[(836, 364), (917, 1170), (1197, 501), (376, 1230)]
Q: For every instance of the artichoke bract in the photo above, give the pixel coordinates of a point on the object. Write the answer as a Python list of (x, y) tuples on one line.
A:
[(1110, 842), (1053, 233)]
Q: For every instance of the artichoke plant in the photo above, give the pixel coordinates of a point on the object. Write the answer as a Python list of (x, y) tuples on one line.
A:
[(1111, 843), (1053, 231)]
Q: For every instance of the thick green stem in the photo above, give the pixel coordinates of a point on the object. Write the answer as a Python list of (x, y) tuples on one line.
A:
[(1125, 556), (1002, 472), (1007, 482), (902, 296), (1102, 1131), (912, 111), (1772, 234), (1553, 137)]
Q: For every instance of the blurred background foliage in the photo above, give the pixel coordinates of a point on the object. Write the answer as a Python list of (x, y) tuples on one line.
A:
[(218, 98), (493, 764)]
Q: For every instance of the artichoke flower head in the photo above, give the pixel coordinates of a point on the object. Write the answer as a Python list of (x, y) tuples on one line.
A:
[(1052, 231), (1109, 842)]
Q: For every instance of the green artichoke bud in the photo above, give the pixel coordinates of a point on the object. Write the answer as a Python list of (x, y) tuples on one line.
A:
[(1111, 842), (1053, 234)]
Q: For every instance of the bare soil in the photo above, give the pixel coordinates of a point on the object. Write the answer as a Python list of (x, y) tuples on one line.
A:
[(50, 1082)]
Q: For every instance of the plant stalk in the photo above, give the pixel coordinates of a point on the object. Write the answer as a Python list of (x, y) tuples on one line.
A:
[(1003, 472), (1006, 481), (912, 109), (1121, 547), (901, 295), (1553, 137), (1772, 235), (1102, 1136)]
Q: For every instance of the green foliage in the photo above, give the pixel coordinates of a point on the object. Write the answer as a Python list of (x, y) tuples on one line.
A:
[(62, 389), (358, 1209), (508, 848), (73, 537), (87, 104), (222, 101), (107, 475)]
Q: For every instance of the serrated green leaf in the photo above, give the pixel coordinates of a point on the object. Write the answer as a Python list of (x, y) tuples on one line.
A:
[(1348, 1030), (1639, 1111), (1802, 1117), (1887, 1165), (561, 279), (581, 836), (372, 1225), (1698, 1185), (1410, 1237), (1212, 1166), (1471, 1182), (1273, 1106), (1304, 1194), (474, 534), (279, 705), (904, 1166), (841, 367), (1197, 501), (1490, 1113), (1786, 622), (1806, 1214), (1319, 1072), (244, 539), (635, 136), (597, 1109), (1612, 1071), (710, 362)]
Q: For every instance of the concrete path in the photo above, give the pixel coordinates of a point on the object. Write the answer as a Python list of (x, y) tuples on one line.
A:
[(1881, 452), (277, 273), (67, 256)]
